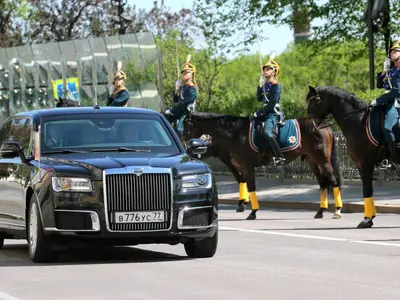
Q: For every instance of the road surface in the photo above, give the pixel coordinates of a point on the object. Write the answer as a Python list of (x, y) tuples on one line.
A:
[(281, 255)]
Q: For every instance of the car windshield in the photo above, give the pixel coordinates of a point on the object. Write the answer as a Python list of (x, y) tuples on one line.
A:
[(106, 133)]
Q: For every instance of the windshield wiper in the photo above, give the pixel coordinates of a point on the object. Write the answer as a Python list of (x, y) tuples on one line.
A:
[(121, 149), (64, 151)]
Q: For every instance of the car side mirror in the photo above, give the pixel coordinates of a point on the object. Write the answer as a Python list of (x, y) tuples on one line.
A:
[(12, 150), (196, 147)]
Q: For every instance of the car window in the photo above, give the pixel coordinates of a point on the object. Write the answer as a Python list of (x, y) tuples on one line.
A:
[(20, 131), (5, 131), (90, 132)]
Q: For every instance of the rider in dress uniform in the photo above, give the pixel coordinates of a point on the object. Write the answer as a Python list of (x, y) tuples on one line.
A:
[(185, 94), (118, 94), (390, 81), (269, 93)]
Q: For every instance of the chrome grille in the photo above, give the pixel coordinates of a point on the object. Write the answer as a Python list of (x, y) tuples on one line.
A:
[(147, 192)]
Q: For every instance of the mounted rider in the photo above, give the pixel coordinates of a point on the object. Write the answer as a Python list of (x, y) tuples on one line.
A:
[(390, 81), (269, 92), (118, 94), (185, 96)]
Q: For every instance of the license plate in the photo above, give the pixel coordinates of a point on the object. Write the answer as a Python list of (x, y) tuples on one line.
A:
[(140, 217)]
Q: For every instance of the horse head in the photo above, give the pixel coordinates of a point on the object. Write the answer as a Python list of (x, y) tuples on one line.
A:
[(67, 103), (316, 107), (325, 100)]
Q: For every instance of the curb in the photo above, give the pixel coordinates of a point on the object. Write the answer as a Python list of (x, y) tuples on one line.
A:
[(349, 207)]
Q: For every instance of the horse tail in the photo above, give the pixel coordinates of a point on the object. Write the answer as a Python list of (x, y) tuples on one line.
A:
[(335, 162)]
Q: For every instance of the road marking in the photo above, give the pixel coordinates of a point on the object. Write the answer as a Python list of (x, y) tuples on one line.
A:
[(4, 296), (314, 237)]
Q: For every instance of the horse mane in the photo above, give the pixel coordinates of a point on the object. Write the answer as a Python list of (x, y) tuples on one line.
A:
[(218, 117), (233, 123), (342, 94)]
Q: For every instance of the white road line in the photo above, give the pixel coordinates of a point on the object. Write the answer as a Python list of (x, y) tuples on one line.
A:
[(4, 296), (314, 237)]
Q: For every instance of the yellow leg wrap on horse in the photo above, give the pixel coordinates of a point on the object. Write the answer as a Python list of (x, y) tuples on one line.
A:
[(369, 207), (254, 201), (338, 197), (323, 194), (243, 193)]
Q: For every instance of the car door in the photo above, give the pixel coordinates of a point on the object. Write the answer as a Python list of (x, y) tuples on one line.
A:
[(12, 202)]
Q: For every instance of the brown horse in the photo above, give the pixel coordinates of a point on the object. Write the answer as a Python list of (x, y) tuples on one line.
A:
[(355, 119), (232, 143)]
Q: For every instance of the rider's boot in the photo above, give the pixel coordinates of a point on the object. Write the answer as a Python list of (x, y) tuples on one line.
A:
[(392, 145), (279, 159)]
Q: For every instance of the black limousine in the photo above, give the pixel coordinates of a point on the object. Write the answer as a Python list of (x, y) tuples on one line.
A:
[(105, 175)]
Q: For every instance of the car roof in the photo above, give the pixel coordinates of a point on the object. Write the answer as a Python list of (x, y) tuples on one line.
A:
[(35, 114)]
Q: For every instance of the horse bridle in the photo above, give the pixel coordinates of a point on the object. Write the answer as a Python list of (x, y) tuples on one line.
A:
[(349, 115)]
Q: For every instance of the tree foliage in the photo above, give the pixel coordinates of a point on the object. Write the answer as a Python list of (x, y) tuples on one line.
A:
[(333, 21), (13, 13)]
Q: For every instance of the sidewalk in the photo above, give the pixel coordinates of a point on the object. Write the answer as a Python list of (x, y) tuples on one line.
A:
[(304, 194)]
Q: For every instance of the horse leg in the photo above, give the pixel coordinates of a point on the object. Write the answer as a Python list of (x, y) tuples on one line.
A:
[(323, 191), (328, 173), (243, 194), (369, 204), (251, 185)]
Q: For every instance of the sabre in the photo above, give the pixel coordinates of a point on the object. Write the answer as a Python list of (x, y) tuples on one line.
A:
[(259, 52), (177, 59)]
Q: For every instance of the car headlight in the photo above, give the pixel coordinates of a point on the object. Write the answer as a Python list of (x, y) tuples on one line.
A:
[(197, 181), (68, 184)]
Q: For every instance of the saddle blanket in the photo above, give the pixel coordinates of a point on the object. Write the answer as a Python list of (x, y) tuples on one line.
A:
[(288, 135), (374, 132)]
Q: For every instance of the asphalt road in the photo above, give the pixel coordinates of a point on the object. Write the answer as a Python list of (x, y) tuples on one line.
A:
[(281, 255)]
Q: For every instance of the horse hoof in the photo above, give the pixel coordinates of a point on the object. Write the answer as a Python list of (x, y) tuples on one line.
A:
[(366, 223), (251, 217), (337, 214), (320, 214), (241, 208)]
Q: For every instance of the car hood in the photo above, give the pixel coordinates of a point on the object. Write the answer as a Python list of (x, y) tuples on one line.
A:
[(92, 165)]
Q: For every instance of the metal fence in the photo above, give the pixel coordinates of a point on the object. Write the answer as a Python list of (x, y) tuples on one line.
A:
[(33, 76), (301, 169)]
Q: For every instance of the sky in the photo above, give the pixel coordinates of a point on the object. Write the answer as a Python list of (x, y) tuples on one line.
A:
[(274, 39)]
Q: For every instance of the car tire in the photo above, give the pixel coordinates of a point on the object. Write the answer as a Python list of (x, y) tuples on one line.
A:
[(1, 240), (40, 248), (202, 248)]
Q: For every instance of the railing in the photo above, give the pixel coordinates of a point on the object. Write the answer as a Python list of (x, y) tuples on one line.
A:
[(301, 169)]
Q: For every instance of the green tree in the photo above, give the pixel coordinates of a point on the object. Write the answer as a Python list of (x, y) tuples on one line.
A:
[(341, 20), (12, 16)]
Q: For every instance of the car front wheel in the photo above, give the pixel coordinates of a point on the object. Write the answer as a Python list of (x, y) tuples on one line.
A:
[(40, 249), (202, 248), (1, 240)]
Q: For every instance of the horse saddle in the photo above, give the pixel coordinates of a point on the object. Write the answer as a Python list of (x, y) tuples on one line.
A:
[(374, 122), (287, 134)]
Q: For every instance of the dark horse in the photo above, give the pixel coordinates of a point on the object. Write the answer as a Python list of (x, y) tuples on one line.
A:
[(66, 103), (231, 143), (350, 114), (215, 149)]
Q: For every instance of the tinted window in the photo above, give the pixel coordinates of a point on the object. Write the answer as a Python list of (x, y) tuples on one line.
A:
[(21, 132), (93, 132), (4, 132)]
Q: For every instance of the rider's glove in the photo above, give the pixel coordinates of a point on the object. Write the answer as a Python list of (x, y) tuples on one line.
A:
[(168, 112), (261, 82), (386, 64), (373, 103), (177, 84)]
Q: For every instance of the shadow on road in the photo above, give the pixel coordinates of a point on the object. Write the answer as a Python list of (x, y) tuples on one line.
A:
[(18, 255)]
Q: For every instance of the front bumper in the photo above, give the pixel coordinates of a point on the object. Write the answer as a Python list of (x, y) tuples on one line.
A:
[(191, 219)]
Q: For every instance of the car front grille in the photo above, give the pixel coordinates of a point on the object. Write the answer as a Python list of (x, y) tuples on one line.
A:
[(145, 193)]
